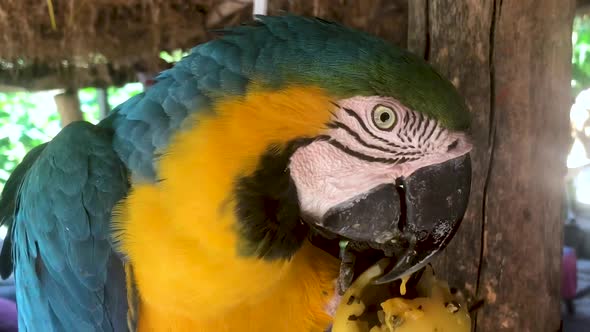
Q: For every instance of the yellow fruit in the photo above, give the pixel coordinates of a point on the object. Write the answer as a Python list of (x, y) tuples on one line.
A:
[(434, 309)]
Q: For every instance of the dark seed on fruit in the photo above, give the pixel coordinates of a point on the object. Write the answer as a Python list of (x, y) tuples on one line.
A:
[(452, 306)]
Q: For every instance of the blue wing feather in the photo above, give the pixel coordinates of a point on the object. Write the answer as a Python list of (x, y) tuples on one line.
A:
[(68, 276)]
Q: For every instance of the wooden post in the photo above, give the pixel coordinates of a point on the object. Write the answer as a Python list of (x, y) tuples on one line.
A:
[(103, 102), (511, 60), (68, 107)]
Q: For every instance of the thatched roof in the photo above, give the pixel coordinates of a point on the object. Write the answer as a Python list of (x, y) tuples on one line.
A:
[(58, 43)]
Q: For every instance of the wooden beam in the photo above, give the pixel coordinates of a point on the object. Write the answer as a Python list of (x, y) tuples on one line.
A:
[(39, 76), (511, 60)]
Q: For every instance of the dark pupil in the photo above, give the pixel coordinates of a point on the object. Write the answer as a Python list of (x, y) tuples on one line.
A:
[(384, 117)]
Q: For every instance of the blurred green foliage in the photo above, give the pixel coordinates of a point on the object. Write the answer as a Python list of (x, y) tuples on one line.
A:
[(581, 54), (28, 119), (174, 56), (24, 123)]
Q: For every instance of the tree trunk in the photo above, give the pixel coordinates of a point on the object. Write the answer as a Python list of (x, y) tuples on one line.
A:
[(511, 60), (68, 107)]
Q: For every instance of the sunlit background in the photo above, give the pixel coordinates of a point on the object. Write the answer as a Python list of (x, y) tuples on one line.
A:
[(577, 157), (578, 179)]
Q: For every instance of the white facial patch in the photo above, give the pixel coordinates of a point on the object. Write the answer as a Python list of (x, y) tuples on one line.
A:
[(361, 150)]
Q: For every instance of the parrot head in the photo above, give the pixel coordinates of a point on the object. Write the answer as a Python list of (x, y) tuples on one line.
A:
[(390, 173), (366, 151), (384, 179)]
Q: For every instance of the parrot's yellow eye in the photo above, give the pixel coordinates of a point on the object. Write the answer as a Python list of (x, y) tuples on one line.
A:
[(384, 117)]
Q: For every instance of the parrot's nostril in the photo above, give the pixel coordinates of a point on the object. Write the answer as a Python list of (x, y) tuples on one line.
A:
[(453, 145)]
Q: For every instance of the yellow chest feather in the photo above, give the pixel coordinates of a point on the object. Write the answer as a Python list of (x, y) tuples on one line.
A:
[(180, 233)]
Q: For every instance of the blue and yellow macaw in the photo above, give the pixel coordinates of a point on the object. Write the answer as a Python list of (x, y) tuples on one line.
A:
[(244, 190)]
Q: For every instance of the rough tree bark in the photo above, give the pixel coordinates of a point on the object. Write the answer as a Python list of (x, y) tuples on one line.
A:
[(511, 60)]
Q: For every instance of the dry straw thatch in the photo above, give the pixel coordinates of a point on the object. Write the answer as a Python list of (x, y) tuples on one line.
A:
[(59, 43), (99, 42)]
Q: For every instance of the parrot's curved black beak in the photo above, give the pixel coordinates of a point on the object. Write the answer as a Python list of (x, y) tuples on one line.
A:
[(410, 220)]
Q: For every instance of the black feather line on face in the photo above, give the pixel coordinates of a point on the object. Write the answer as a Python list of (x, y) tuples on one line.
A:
[(356, 136), (362, 156), (368, 131), (413, 121), (401, 137), (425, 128), (438, 135), (363, 125), (427, 137), (267, 207)]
